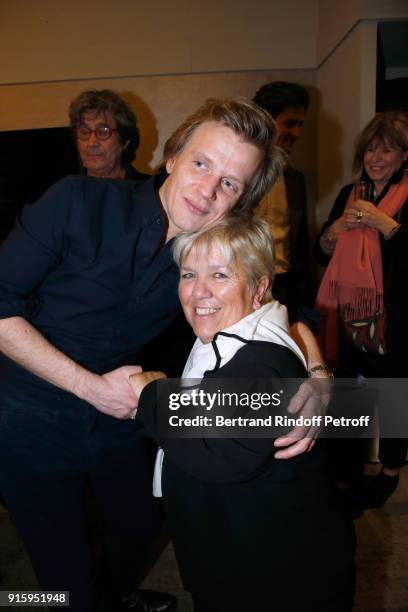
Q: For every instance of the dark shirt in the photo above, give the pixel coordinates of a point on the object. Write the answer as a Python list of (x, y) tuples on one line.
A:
[(86, 266), (131, 173)]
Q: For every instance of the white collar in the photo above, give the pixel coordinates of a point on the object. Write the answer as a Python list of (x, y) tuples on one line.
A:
[(269, 323)]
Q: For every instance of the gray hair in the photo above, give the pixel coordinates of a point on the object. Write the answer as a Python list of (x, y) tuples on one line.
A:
[(100, 101), (245, 241)]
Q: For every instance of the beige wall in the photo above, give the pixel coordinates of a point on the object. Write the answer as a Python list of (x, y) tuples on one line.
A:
[(160, 103), (346, 84), (337, 18), (166, 58), (346, 80), (384, 9), (48, 40)]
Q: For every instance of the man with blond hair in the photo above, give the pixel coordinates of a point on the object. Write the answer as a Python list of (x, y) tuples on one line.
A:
[(87, 278)]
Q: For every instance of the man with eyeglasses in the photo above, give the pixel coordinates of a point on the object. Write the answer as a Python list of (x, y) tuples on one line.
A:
[(106, 135)]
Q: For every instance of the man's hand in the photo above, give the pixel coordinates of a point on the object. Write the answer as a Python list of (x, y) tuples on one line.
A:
[(311, 400), (110, 393)]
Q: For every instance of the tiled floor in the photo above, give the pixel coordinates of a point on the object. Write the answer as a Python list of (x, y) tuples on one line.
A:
[(382, 560), (382, 555)]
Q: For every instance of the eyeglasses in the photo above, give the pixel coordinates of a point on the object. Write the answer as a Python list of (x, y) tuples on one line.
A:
[(102, 132)]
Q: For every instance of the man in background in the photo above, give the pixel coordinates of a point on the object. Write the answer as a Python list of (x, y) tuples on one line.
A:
[(106, 135), (284, 207)]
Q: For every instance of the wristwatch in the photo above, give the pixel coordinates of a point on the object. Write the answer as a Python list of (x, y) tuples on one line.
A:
[(320, 367)]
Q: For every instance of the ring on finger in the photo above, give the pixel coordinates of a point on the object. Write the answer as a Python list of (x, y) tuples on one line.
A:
[(359, 215)]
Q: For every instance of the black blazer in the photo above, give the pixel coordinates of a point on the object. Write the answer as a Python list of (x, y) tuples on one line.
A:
[(246, 525), (299, 234)]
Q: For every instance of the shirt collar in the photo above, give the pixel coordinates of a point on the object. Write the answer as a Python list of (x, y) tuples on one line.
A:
[(148, 199)]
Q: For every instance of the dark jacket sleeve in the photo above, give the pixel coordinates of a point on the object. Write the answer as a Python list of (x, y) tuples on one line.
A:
[(299, 234), (335, 213), (227, 459), (33, 247), (397, 245)]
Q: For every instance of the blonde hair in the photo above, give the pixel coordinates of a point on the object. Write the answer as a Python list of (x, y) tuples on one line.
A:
[(254, 125), (245, 242), (387, 128)]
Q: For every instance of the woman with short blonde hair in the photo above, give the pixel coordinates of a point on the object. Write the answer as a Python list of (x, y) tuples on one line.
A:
[(246, 527)]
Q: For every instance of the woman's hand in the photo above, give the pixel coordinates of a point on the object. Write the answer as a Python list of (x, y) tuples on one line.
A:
[(363, 213), (329, 238), (139, 381)]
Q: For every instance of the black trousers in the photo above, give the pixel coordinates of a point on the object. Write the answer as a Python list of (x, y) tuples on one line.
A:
[(343, 603), (48, 460), (348, 454)]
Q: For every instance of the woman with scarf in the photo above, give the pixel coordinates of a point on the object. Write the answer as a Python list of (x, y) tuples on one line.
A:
[(250, 532), (363, 297)]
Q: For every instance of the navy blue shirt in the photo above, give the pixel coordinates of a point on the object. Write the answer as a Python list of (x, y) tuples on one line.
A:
[(87, 266)]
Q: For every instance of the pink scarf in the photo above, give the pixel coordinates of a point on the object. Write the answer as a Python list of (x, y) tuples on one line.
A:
[(353, 281)]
